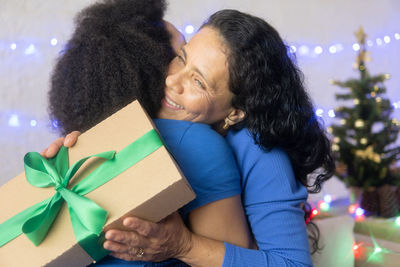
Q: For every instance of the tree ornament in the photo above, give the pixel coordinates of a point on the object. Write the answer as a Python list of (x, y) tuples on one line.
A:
[(361, 36), (359, 123), (368, 153), (363, 141)]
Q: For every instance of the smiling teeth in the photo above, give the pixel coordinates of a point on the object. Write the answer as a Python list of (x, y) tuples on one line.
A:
[(173, 103)]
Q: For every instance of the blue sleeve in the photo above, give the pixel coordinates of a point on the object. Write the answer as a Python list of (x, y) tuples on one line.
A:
[(209, 165), (271, 199)]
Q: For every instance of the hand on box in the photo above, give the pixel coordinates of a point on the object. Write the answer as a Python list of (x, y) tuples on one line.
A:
[(147, 241), (68, 141)]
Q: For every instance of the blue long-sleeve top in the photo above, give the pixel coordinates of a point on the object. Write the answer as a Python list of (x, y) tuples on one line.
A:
[(271, 198)]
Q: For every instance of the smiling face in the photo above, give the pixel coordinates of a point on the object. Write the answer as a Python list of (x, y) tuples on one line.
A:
[(197, 83)]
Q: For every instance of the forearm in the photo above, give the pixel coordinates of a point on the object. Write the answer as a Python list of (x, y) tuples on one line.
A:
[(204, 252)]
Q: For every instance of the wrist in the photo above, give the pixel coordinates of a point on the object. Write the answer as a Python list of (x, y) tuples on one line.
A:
[(186, 246)]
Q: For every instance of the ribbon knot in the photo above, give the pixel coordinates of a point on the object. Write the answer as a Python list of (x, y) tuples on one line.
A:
[(58, 187)]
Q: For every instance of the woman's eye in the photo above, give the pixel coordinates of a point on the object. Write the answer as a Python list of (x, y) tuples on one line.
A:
[(199, 83), (180, 58)]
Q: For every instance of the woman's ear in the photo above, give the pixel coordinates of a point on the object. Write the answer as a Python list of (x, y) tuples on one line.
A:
[(235, 116)]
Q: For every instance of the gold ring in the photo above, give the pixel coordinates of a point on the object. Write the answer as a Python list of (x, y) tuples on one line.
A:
[(140, 253)]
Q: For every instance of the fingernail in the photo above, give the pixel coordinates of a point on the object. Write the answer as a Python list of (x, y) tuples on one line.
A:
[(109, 235), (67, 140)]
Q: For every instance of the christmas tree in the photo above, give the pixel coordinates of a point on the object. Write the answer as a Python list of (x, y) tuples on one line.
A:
[(364, 139)]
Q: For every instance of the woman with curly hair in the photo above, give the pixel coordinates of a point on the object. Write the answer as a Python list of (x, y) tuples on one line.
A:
[(236, 73)]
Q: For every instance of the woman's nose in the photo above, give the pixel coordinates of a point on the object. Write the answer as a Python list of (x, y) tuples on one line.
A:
[(174, 82)]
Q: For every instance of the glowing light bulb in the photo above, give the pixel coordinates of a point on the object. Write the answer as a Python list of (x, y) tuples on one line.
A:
[(331, 113), (359, 212), (359, 123), (332, 49), (379, 41), (318, 50), (324, 206), (54, 123), (363, 141), (13, 46), (370, 43), (189, 29), (352, 208), (293, 49), (386, 39), (54, 42), (30, 50), (328, 198), (378, 250), (319, 112), (359, 218), (315, 212), (33, 123), (397, 221), (397, 36), (13, 121), (356, 47), (355, 247)]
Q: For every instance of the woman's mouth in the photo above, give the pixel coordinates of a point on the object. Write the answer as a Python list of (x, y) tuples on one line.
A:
[(171, 104)]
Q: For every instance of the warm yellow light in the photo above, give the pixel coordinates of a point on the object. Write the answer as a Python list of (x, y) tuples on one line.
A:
[(359, 123)]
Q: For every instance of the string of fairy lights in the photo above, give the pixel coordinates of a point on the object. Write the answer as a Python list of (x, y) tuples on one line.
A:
[(15, 120), (371, 251)]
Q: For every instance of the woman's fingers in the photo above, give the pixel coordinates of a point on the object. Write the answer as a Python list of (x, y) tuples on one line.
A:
[(68, 141), (52, 149), (144, 228), (71, 138), (126, 238)]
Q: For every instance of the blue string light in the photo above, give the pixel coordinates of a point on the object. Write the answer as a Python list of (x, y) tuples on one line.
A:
[(13, 121)]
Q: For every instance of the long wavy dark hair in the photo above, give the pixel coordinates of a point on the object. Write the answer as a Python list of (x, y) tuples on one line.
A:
[(268, 87), (119, 52)]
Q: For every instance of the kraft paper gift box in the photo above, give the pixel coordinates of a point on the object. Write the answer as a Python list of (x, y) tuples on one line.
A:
[(150, 189)]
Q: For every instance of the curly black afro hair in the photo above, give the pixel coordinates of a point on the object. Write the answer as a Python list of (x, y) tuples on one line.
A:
[(119, 52)]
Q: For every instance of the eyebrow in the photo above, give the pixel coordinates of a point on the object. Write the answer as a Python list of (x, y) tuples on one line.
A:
[(197, 70)]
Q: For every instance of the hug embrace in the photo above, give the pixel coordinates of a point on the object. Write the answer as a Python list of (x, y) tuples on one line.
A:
[(232, 109)]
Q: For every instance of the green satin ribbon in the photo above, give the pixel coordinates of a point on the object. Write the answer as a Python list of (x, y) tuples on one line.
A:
[(87, 217)]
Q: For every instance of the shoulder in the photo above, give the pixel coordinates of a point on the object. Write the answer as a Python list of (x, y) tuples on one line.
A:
[(248, 152)]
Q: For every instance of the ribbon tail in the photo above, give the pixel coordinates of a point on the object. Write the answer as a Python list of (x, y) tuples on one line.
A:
[(88, 220), (12, 228), (91, 242), (37, 227)]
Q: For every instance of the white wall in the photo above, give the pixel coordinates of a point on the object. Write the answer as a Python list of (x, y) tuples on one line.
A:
[(24, 79)]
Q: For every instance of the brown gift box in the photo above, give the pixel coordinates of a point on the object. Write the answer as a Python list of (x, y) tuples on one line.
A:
[(151, 189)]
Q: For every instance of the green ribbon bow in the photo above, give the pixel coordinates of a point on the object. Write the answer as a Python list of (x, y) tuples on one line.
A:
[(87, 217)]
